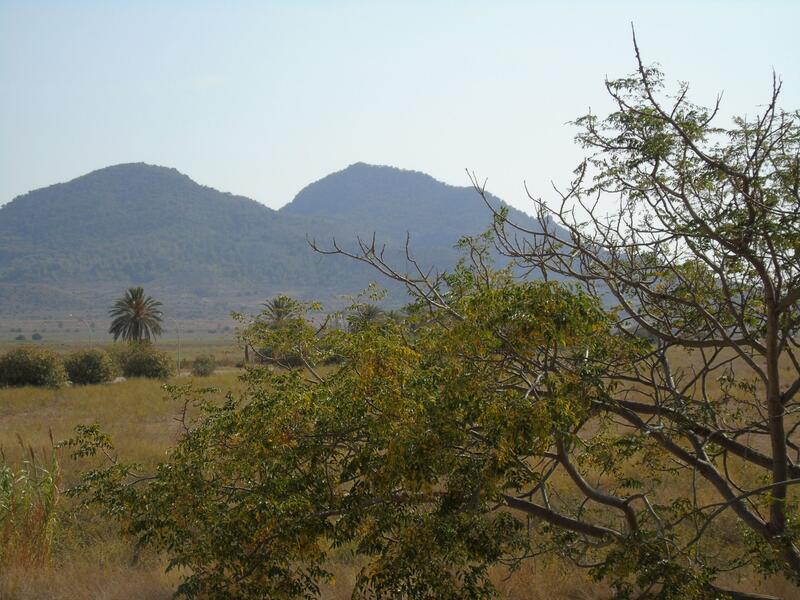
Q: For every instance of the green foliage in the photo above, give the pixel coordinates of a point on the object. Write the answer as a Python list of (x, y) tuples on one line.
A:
[(280, 335), (144, 360), (135, 317), (204, 365), (87, 367), (118, 354), (403, 454), (32, 365)]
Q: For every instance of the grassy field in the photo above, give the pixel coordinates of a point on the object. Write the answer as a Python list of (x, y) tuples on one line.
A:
[(89, 559)]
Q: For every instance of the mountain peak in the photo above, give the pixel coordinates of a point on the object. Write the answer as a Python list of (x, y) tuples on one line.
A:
[(123, 171), (134, 167), (362, 168), (391, 191), (362, 186)]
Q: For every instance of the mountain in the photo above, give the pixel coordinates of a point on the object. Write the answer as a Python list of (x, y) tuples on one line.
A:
[(79, 244), (391, 202)]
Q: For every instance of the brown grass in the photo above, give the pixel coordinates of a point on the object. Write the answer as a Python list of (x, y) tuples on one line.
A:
[(81, 579)]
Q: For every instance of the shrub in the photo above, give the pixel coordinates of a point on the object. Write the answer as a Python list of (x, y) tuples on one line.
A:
[(36, 337), (204, 365), (32, 365), (143, 360), (20, 338), (118, 353), (90, 367), (267, 355)]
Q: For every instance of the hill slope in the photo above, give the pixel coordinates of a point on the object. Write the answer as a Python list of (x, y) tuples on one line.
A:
[(142, 223), (390, 202), (77, 245)]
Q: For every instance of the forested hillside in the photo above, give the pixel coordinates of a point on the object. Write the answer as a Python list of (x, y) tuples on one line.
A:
[(390, 202), (74, 245)]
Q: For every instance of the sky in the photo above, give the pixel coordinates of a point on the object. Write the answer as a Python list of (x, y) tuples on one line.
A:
[(263, 98)]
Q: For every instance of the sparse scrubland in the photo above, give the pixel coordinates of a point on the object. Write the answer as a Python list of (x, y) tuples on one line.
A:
[(87, 557)]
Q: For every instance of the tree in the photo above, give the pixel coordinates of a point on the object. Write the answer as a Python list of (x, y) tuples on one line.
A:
[(281, 309), (280, 319), (635, 412), (135, 317), (364, 316), (701, 258)]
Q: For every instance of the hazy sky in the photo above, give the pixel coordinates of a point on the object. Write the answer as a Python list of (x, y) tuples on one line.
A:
[(260, 98)]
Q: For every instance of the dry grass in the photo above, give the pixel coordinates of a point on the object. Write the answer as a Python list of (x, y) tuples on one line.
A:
[(81, 579), (89, 559), (136, 413)]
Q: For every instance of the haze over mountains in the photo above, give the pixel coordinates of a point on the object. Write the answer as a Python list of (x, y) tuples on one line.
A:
[(75, 246)]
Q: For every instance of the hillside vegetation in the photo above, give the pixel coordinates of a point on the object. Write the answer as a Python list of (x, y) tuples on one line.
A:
[(72, 246)]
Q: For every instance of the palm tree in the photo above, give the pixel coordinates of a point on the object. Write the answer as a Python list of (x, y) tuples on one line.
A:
[(135, 317), (280, 309), (364, 316)]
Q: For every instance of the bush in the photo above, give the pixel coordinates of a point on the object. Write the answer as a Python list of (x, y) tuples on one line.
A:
[(88, 367), (20, 338), (118, 353), (32, 365), (36, 337), (268, 356), (143, 360), (204, 365)]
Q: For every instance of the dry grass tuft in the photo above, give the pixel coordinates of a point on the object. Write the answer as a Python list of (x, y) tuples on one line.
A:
[(28, 499)]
